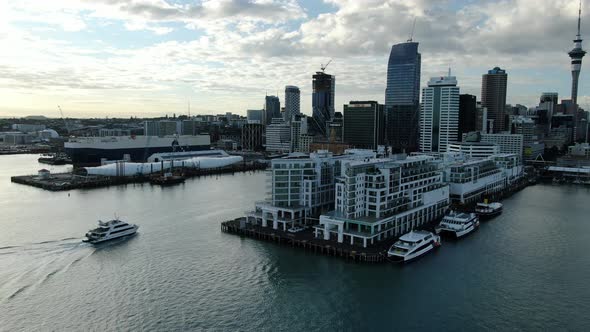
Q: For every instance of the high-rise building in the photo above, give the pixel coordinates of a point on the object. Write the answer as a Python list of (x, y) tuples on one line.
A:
[(439, 119), (402, 96), (253, 136), (493, 97), (272, 108), (278, 136), (322, 101), (364, 124), (576, 55), (255, 116), (467, 114), (292, 102)]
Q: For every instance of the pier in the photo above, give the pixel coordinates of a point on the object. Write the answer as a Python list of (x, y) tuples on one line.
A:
[(70, 181), (373, 254), (305, 240)]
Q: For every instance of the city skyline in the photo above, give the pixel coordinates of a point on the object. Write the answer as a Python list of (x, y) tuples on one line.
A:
[(148, 58)]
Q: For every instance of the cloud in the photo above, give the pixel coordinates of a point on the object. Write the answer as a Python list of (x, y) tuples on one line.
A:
[(234, 51)]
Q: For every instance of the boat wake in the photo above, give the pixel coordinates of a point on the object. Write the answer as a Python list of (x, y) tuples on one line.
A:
[(31, 266)]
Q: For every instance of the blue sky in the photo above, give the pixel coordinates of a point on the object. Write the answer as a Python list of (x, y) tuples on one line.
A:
[(150, 57)]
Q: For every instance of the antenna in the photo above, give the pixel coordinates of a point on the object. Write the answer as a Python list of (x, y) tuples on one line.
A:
[(579, 17), (412, 32), (323, 67), (189, 109)]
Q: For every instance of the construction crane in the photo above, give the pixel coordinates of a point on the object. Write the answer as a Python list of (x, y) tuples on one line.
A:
[(64, 119), (323, 67), (412, 32)]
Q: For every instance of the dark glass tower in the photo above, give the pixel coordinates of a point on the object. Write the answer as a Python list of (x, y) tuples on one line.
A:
[(493, 97), (322, 102), (402, 95), (576, 55), (363, 124), (467, 114), (273, 108)]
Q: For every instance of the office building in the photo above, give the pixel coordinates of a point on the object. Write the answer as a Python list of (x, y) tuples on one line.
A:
[(255, 116), (439, 119), (474, 150), (322, 101), (253, 136), (402, 93), (493, 97), (272, 109), (278, 136), (292, 102), (364, 124), (467, 114)]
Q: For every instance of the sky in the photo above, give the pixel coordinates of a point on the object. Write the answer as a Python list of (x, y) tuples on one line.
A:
[(117, 58)]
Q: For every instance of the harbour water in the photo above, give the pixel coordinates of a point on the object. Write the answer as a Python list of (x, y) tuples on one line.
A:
[(524, 270)]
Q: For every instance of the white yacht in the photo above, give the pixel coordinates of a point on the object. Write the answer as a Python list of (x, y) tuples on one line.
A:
[(458, 224), (110, 230), (488, 210), (413, 245)]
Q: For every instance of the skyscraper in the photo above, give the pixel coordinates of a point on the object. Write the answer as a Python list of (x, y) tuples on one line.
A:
[(272, 108), (364, 124), (467, 114), (576, 55), (493, 97), (322, 102), (402, 95), (292, 102), (439, 119)]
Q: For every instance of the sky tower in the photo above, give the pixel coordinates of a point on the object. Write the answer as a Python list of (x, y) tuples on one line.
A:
[(576, 55)]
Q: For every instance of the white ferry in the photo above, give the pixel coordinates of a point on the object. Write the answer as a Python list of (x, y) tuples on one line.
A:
[(488, 210), (110, 230), (458, 224), (413, 245)]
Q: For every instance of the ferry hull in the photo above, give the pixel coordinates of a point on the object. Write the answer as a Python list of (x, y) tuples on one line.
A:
[(414, 256), (96, 241)]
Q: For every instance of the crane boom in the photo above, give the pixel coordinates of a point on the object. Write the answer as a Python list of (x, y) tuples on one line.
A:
[(323, 67), (412, 32), (64, 119)]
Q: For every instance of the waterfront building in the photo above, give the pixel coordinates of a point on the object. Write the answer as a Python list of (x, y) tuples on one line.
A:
[(292, 102), (439, 119), (255, 116), (300, 187), (475, 150), (377, 199), (364, 124), (278, 136), (322, 100), (253, 136), (402, 93), (467, 114), (493, 97), (272, 109), (471, 181), (576, 55)]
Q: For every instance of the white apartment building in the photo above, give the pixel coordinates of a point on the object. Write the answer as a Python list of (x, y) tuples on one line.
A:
[(508, 143), (381, 198), (439, 118), (300, 186), (476, 150)]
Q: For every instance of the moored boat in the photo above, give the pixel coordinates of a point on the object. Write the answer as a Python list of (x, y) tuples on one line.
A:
[(413, 245), (488, 210), (167, 179), (458, 224)]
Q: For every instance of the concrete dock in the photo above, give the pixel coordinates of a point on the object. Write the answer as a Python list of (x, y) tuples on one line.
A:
[(70, 181)]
